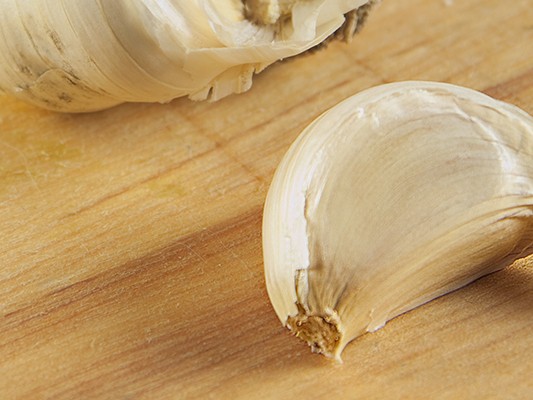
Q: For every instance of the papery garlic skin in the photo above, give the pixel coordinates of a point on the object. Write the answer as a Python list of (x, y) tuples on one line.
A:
[(396, 196), (89, 55)]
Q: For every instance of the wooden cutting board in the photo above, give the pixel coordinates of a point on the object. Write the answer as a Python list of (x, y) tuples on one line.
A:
[(130, 239)]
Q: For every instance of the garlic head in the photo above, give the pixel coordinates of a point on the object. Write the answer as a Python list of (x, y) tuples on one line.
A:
[(395, 196), (89, 55)]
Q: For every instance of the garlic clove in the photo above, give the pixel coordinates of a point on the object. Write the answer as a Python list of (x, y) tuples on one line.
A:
[(395, 196), (84, 56)]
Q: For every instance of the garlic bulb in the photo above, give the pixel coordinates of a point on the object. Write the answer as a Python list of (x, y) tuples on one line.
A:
[(92, 54), (394, 197)]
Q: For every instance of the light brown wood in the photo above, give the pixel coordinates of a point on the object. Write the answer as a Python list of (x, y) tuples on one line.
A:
[(130, 251)]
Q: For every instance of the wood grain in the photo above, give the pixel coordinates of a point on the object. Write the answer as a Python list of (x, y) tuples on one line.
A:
[(130, 249)]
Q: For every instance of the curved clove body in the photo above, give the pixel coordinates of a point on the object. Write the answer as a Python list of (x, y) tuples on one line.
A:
[(394, 197)]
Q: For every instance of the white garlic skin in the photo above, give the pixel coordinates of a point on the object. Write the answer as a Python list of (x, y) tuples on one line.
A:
[(395, 196), (87, 55)]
